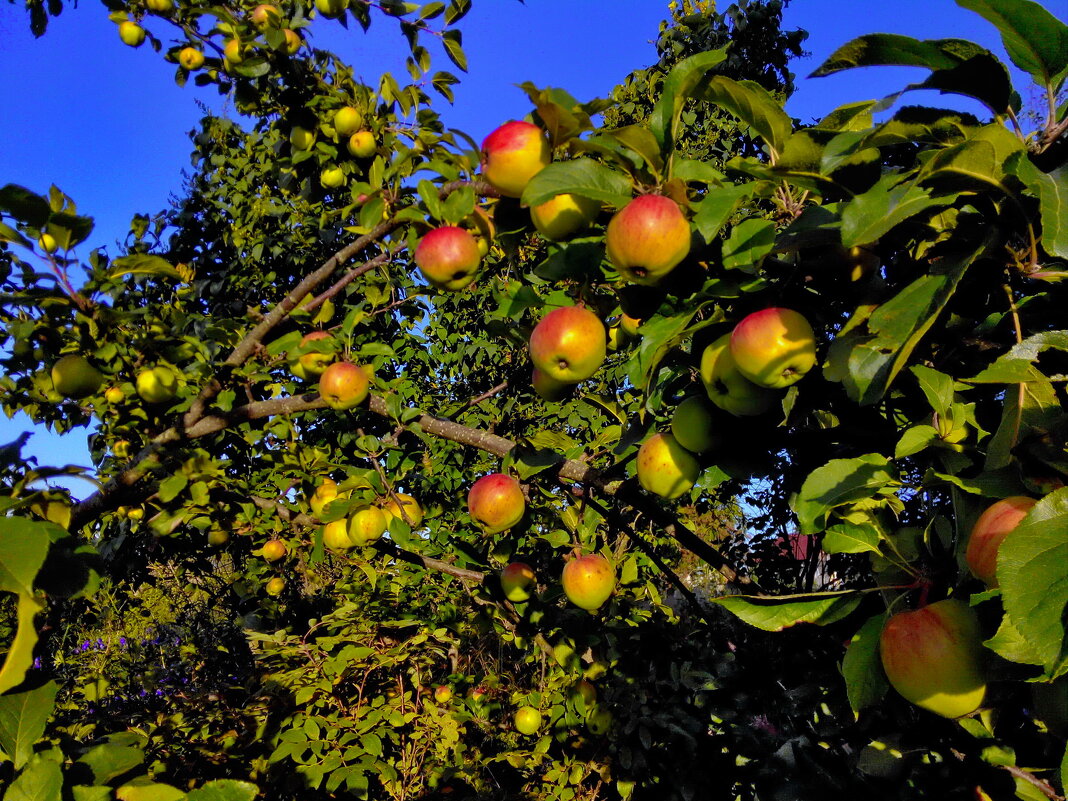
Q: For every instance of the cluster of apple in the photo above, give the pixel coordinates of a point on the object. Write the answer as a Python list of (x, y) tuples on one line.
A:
[(75, 377), (934, 656), (342, 384), (348, 127), (365, 525)]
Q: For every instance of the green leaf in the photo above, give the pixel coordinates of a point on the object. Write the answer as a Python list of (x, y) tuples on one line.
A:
[(583, 177), (452, 40), (1033, 574), (914, 440), (171, 487), (660, 335), (225, 790), (840, 481), (86, 793), (143, 264), (23, 547), (752, 104), (111, 759), (42, 780), (873, 214), (1036, 41), (851, 538), (863, 671), (1034, 407), (22, 721), (776, 614), (1052, 191), (24, 205), (679, 85), (20, 654), (938, 387), (1009, 644), (144, 789), (1016, 366), (983, 158), (750, 241), (716, 208)]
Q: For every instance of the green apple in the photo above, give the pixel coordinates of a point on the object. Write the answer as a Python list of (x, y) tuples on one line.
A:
[(131, 33), (693, 425), (347, 120), (934, 657), (313, 363), (160, 6), (157, 384), (496, 502), (665, 468), (569, 344), (332, 177), (774, 347), (331, 8), (336, 535), (727, 387), (588, 581), (301, 138), (564, 215), (518, 581), (549, 388), (600, 721), (527, 720), (512, 155), (647, 239), (74, 377)]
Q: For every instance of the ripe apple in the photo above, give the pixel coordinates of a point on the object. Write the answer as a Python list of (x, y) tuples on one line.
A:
[(157, 384), (160, 6), (301, 138), (273, 550), (347, 120), (411, 507), (517, 581), (74, 377), (366, 526), (190, 58), (362, 144), (131, 33), (331, 8), (332, 177), (564, 215), (665, 468), (512, 155), (232, 52), (647, 238), (47, 243), (293, 41), (693, 425), (549, 388), (588, 581), (443, 693), (314, 363), (323, 494), (727, 387), (933, 657), (496, 502), (344, 385), (276, 585), (336, 535), (989, 531), (569, 344), (527, 720), (266, 16), (448, 258), (774, 347)]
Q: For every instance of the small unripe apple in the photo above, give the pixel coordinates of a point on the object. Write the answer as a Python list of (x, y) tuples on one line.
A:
[(266, 16), (190, 58), (443, 694), (564, 215), (496, 502), (344, 385), (933, 657), (727, 387), (74, 377), (366, 526), (273, 550), (232, 51), (549, 388), (647, 238), (347, 120), (412, 510), (293, 41), (47, 243), (448, 258), (527, 720), (665, 468), (512, 155), (157, 384), (518, 581), (600, 721), (332, 177), (990, 530), (569, 344), (114, 395), (131, 33), (336, 535), (693, 425), (275, 586), (314, 363), (331, 8), (301, 138), (217, 537), (588, 581), (774, 347)]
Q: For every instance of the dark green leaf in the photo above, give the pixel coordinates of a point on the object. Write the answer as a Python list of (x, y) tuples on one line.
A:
[(873, 214), (1052, 191), (22, 721), (863, 671), (752, 104), (24, 205), (583, 177), (776, 614), (1036, 41), (840, 481), (224, 790), (750, 241), (679, 85)]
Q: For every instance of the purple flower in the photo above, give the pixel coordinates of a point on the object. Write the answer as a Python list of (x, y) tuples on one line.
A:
[(37, 662), (122, 641), (85, 645)]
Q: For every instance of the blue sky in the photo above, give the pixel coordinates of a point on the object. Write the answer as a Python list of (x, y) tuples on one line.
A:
[(107, 124)]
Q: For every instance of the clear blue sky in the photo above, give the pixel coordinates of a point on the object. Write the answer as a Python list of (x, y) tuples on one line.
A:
[(107, 124)]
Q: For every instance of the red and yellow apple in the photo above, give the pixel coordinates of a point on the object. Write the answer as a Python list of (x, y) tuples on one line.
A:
[(496, 502), (443, 693), (266, 16), (73, 376), (933, 657), (774, 347), (647, 238), (564, 215), (448, 258), (518, 581), (693, 425), (727, 387), (313, 363), (990, 530), (344, 385), (512, 155), (293, 41), (366, 526), (665, 468), (588, 581), (273, 550), (569, 344)]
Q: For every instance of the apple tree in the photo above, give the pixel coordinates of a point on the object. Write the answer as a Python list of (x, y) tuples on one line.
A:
[(661, 447)]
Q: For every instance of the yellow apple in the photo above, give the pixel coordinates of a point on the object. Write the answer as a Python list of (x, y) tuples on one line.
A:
[(344, 385), (276, 585), (347, 120), (157, 384), (301, 138), (313, 364), (527, 720), (496, 502), (131, 33), (332, 177), (273, 550), (727, 387), (366, 526), (569, 344), (190, 58), (665, 468), (160, 6), (564, 215), (331, 8), (323, 494), (512, 155), (293, 41), (774, 347), (232, 52), (412, 510), (362, 144), (74, 377), (647, 238), (588, 581), (336, 535), (448, 258), (266, 16), (47, 243)]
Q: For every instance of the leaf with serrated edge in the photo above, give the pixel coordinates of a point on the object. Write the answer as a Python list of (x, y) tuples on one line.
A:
[(838, 482)]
